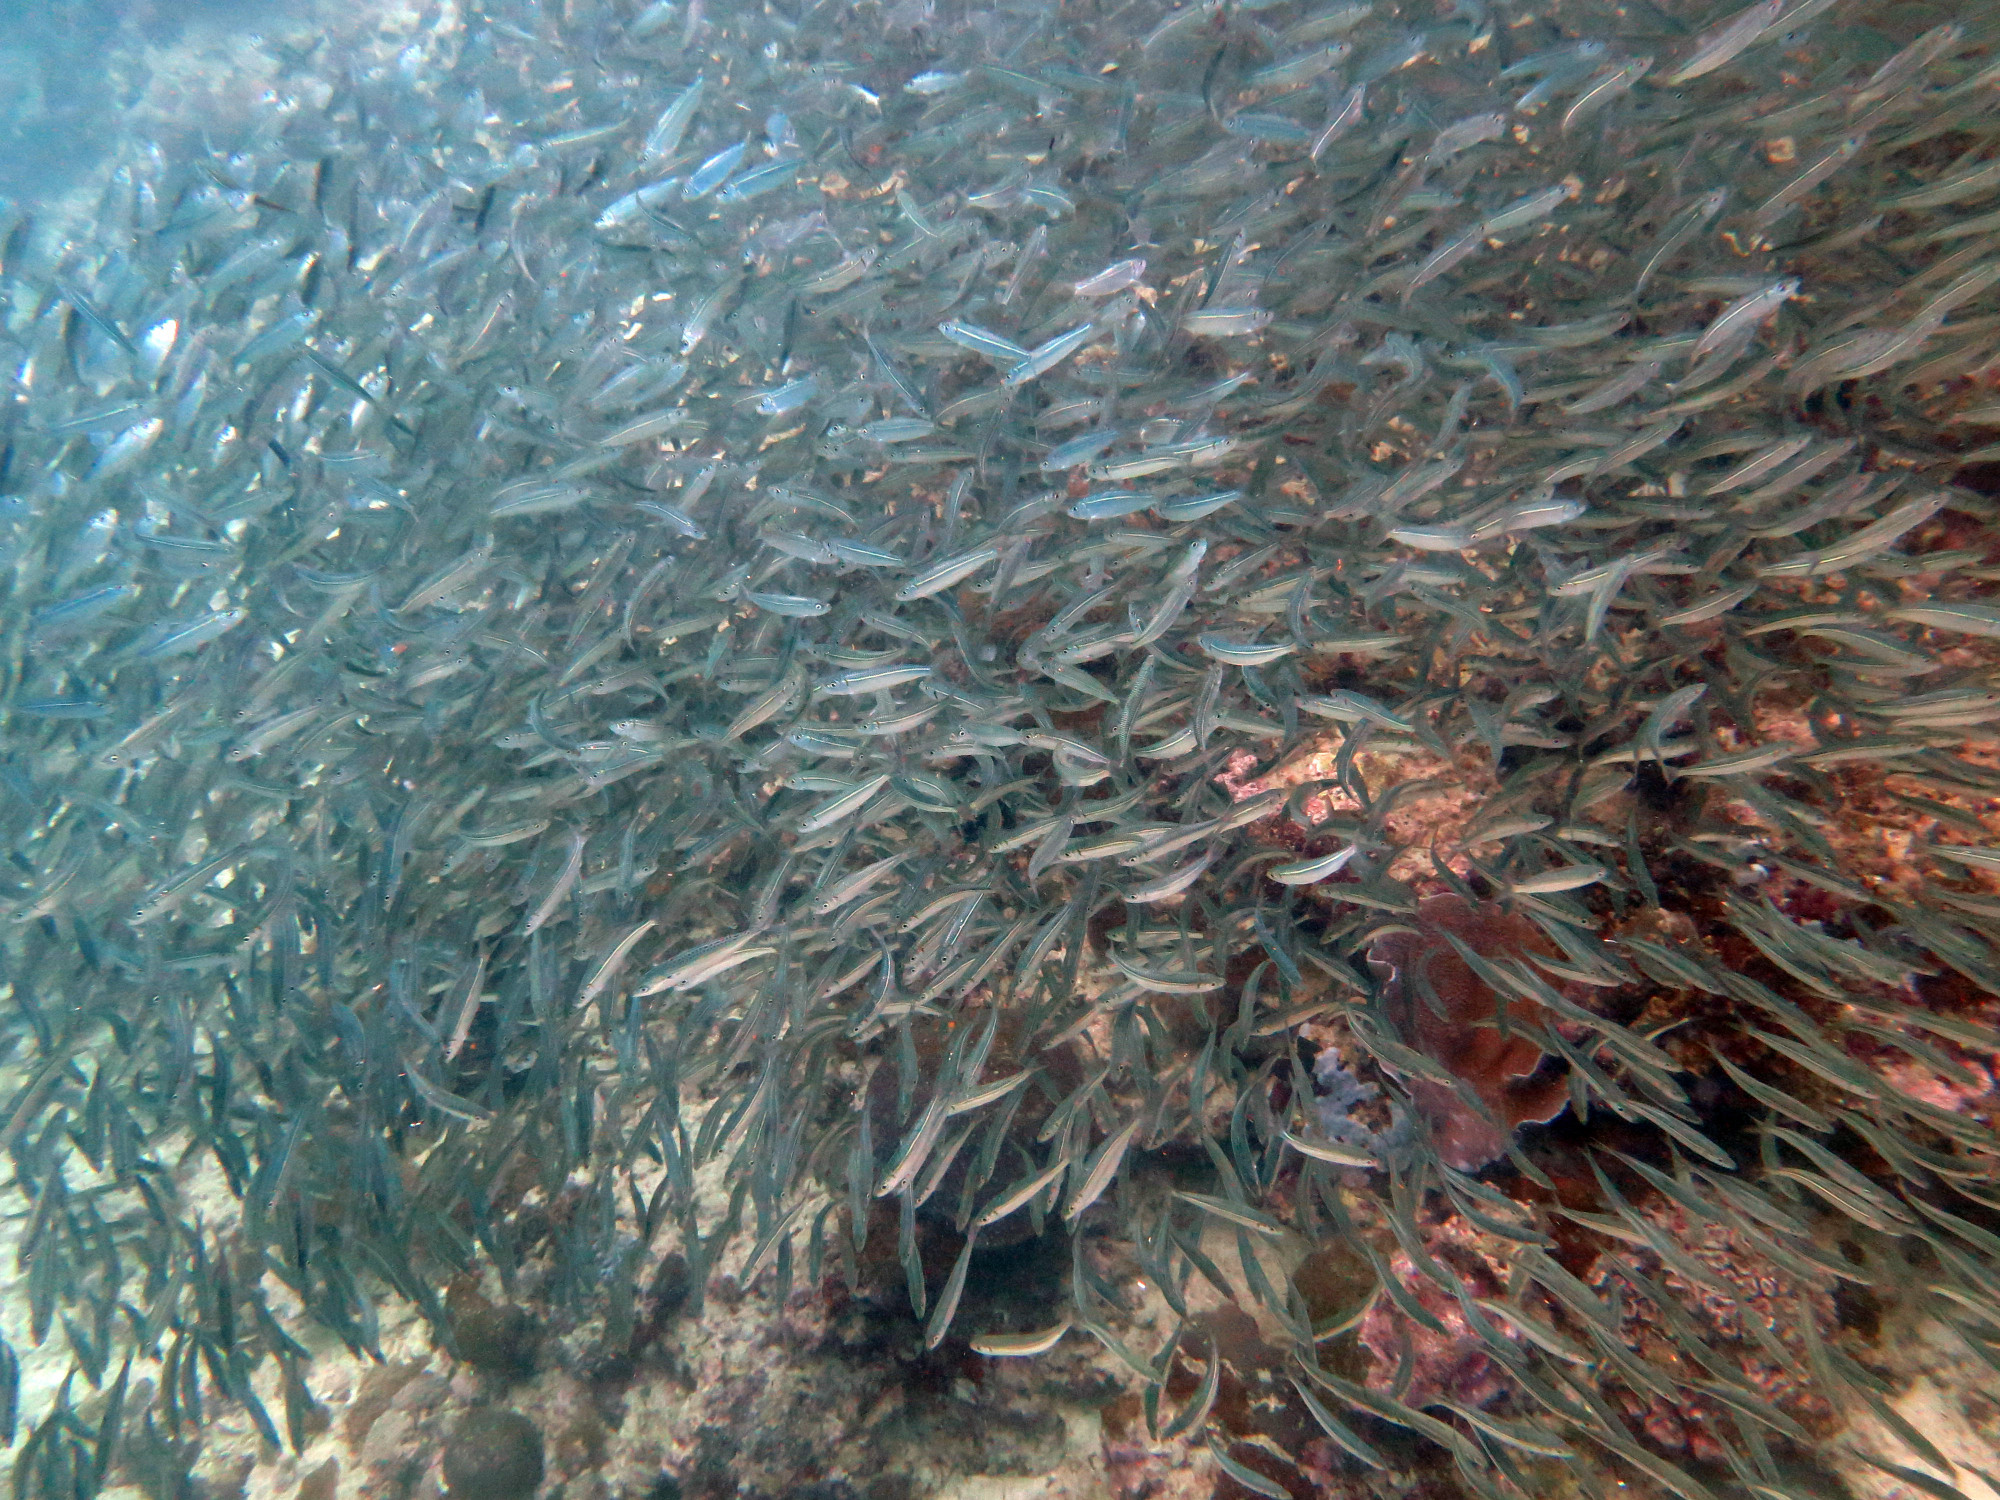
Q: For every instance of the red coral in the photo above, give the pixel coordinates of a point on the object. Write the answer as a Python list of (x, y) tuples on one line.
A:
[(1475, 1036), (1455, 1365), (1450, 1366)]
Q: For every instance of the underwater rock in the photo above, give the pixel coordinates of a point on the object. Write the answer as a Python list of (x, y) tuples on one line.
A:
[(493, 1455), (941, 1194), (666, 1296), (396, 1446), (496, 1339), (321, 1484)]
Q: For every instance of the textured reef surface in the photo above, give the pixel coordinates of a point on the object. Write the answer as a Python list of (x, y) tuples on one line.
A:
[(869, 750)]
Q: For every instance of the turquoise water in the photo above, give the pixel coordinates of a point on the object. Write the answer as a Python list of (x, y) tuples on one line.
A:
[(61, 109)]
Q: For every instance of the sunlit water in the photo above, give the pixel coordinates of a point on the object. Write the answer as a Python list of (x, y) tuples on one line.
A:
[(76, 75)]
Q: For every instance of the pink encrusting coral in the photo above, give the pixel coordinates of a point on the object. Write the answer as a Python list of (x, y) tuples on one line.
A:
[(1746, 1311), (1472, 1030), (1448, 1362)]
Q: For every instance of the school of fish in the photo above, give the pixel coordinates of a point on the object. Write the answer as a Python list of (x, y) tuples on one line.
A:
[(578, 603)]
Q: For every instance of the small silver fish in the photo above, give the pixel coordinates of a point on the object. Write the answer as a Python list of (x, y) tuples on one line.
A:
[(794, 606)]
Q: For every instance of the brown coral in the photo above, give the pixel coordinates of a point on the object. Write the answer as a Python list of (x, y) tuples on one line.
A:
[(1472, 1030)]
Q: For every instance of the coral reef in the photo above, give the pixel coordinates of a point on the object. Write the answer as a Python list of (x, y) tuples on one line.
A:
[(1745, 1315), (856, 750)]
